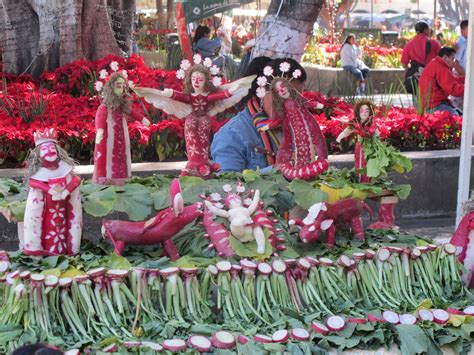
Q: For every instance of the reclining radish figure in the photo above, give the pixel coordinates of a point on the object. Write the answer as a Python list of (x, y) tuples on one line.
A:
[(325, 217), (159, 229)]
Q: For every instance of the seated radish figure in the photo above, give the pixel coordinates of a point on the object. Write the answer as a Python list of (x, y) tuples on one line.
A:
[(159, 229), (463, 240)]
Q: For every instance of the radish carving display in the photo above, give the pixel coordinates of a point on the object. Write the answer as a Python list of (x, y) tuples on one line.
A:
[(463, 240), (159, 229), (326, 217)]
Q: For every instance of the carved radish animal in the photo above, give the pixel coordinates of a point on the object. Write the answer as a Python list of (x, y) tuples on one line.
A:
[(160, 229), (326, 217)]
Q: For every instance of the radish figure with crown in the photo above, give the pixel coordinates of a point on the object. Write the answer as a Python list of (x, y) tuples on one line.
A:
[(53, 213)]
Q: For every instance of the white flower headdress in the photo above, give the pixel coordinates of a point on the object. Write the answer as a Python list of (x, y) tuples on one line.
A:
[(104, 76), (197, 59), (284, 67)]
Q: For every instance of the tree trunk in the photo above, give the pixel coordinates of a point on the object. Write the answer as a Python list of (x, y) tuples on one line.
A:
[(42, 35), (330, 12), (160, 14), (170, 20), (284, 32), (455, 9)]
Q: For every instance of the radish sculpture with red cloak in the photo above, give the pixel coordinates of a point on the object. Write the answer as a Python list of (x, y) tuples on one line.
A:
[(53, 213), (112, 157), (199, 100), (303, 152)]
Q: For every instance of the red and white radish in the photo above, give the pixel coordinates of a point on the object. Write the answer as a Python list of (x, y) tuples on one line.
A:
[(260, 338), (243, 339), (326, 261), (174, 345), (319, 328), (279, 266), (344, 261), (280, 336), (425, 314), (449, 248), (200, 343), (370, 254), (111, 348), (304, 264), (312, 261), (407, 319), (335, 323), (455, 311), (4, 265), (132, 344), (224, 266), (391, 317), (223, 340), (356, 320), (358, 256), (300, 334), (372, 318), (469, 310), (383, 254), (212, 269), (264, 268), (440, 316)]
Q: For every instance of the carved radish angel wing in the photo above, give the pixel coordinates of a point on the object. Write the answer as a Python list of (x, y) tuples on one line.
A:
[(168, 105), (239, 87)]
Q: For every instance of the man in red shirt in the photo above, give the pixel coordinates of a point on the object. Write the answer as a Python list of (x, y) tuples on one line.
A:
[(415, 50), (438, 82)]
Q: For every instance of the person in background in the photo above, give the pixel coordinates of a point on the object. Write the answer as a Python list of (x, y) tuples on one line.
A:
[(461, 44), (351, 62), (438, 82), (206, 47), (415, 50), (249, 140)]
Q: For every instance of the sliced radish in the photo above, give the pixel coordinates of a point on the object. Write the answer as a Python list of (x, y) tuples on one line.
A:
[(358, 256), (425, 314), (51, 281), (175, 345), (243, 339), (469, 310), (189, 271), (236, 268), (290, 262), (279, 266), (440, 316), (200, 343), (132, 344), (304, 264), (115, 274), (407, 319), (212, 270), (423, 249), (356, 320), (455, 311), (434, 246), (395, 249), (335, 323), (111, 348), (391, 317), (4, 265), (449, 248), (65, 282), (37, 277), (280, 336), (319, 328), (312, 261), (372, 318), (259, 338), (344, 260), (300, 334), (264, 268), (326, 261), (96, 272), (153, 346), (383, 254), (247, 264), (415, 253), (223, 340), (370, 254), (169, 271), (25, 275), (224, 266)]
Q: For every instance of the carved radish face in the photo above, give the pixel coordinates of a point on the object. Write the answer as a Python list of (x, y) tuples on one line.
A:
[(282, 90), (119, 86), (364, 113), (48, 151), (198, 80)]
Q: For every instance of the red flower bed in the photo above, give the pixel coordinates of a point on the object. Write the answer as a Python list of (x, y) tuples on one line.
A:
[(66, 99)]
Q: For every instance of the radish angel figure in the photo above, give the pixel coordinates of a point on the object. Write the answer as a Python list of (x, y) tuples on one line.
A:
[(242, 225), (53, 213), (112, 157), (199, 100)]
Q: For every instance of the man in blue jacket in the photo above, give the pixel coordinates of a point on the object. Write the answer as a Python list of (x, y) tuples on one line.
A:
[(248, 140)]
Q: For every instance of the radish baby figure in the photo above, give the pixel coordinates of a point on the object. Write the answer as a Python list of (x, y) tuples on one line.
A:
[(242, 225), (463, 240), (53, 213), (199, 100)]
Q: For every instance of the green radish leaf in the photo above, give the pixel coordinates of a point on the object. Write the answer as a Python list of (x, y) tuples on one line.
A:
[(249, 249), (119, 262), (306, 194), (134, 200), (99, 203), (56, 272), (412, 339)]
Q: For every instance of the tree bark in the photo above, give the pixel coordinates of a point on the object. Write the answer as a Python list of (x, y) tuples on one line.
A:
[(42, 35), (330, 12), (285, 31), (160, 14), (455, 9), (170, 20)]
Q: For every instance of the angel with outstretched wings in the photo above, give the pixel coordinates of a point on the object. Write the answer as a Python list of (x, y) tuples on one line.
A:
[(199, 101)]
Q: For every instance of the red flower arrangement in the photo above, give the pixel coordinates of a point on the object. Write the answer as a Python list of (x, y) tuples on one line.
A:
[(66, 100)]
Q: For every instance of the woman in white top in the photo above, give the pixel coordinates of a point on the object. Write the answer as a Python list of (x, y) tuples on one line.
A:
[(350, 58)]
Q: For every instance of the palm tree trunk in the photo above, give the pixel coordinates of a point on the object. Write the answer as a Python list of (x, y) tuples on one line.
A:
[(286, 28)]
